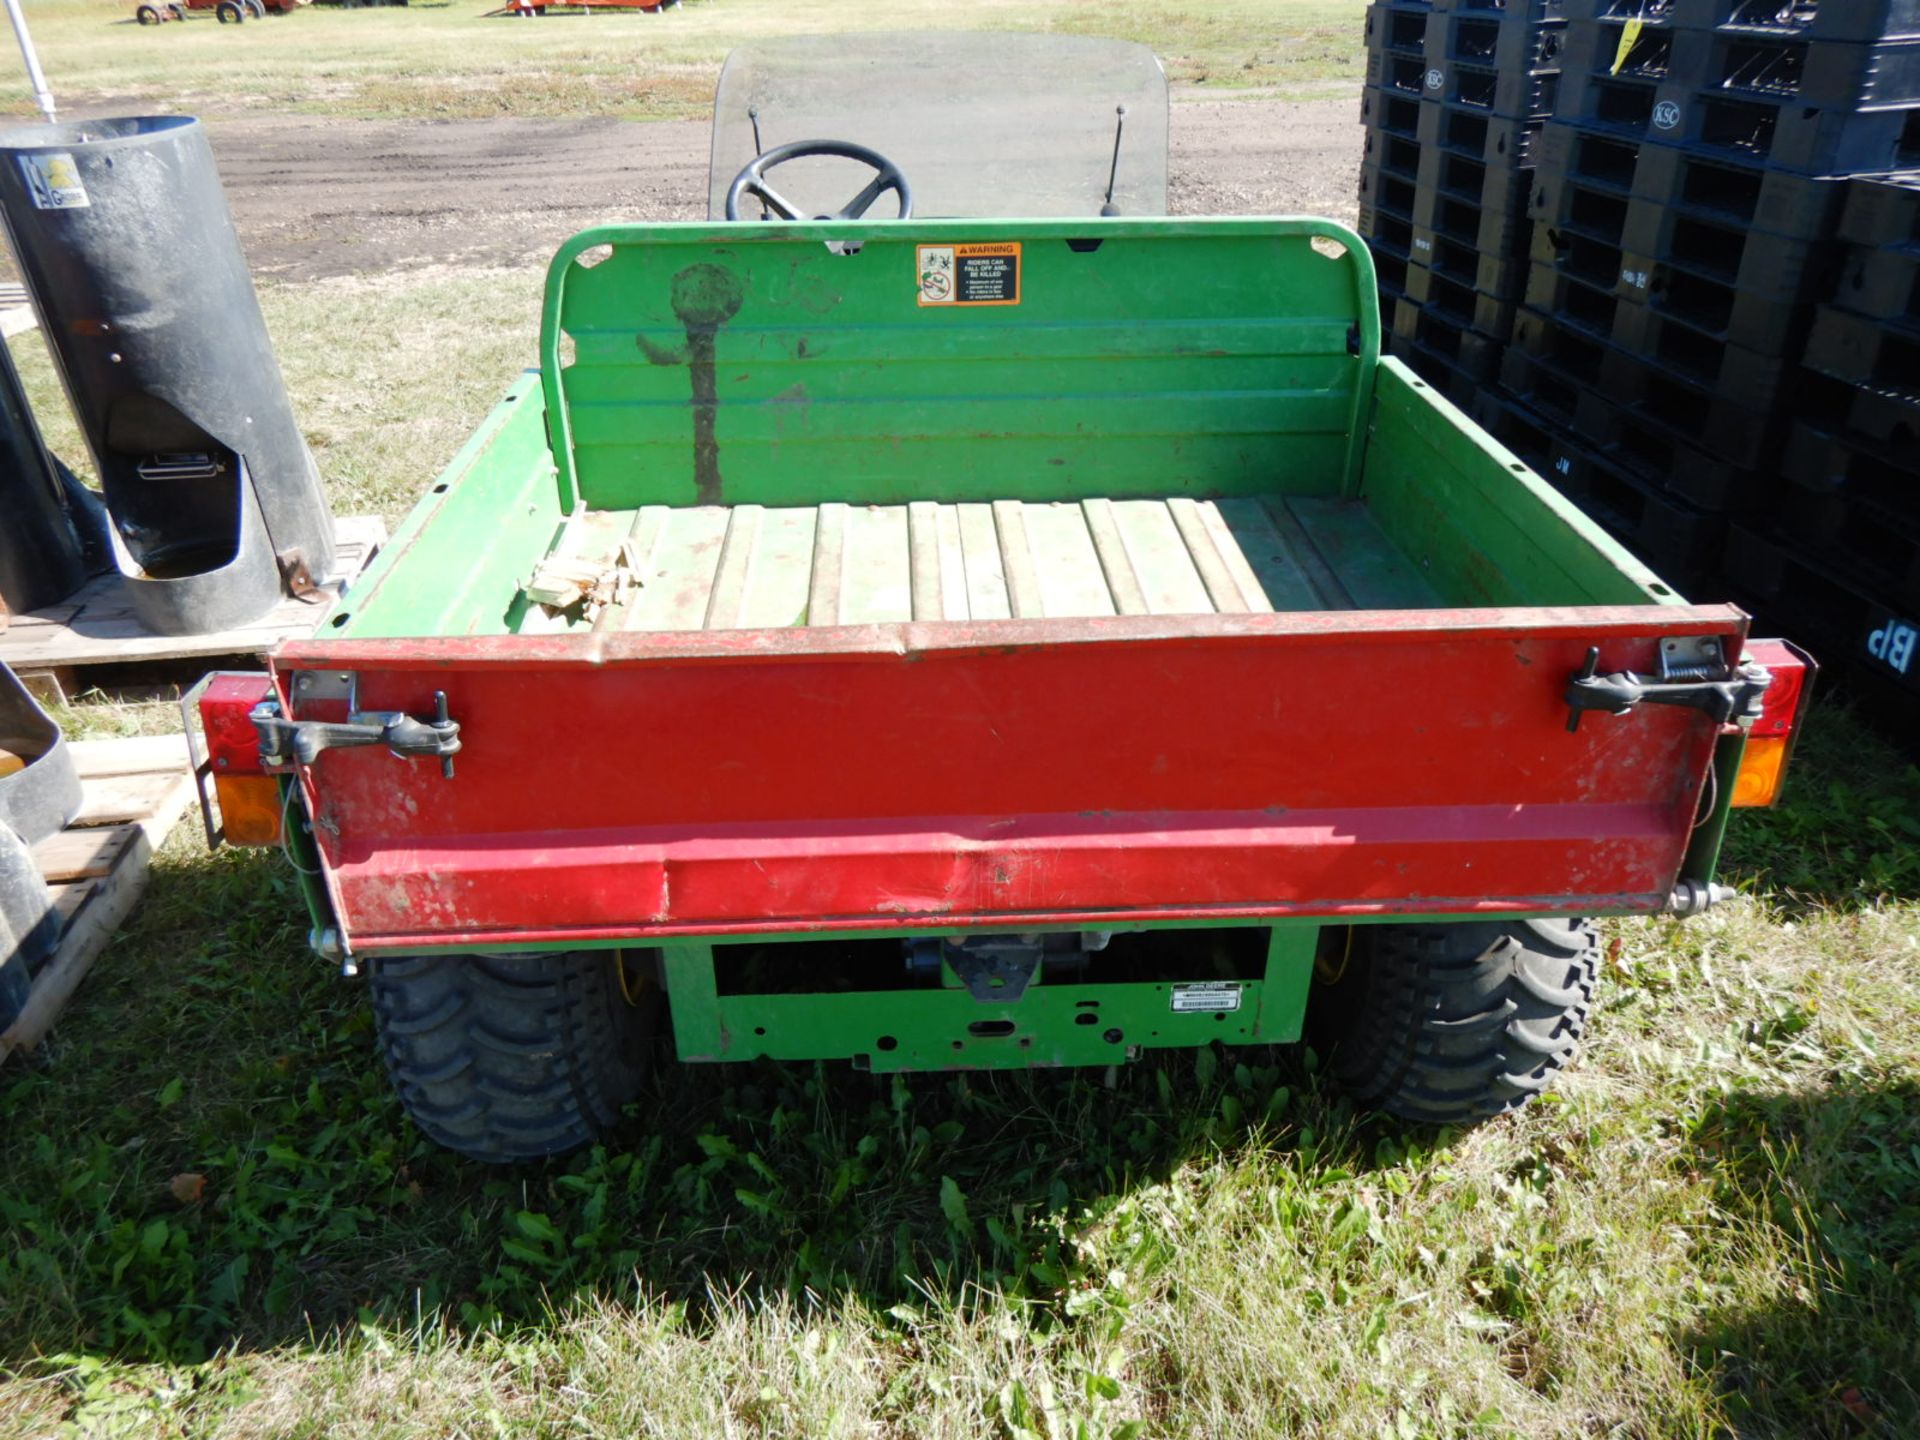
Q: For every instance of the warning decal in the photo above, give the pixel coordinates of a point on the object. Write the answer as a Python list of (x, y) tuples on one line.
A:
[(53, 180), (1206, 995), (984, 274)]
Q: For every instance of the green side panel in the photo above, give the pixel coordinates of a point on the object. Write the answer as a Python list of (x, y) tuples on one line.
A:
[(456, 565), (1483, 527), (938, 1029), (749, 363)]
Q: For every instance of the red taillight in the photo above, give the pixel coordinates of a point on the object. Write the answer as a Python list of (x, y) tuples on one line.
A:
[(250, 811), (1763, 764)]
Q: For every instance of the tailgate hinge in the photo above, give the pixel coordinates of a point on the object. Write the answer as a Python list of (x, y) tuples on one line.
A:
[(1693, 674), (284, 742)]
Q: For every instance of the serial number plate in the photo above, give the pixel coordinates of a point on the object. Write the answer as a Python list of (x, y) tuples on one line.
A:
[(1206, 995)]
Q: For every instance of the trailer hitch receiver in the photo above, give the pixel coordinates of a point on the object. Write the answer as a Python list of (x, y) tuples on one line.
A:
[(284, 742)]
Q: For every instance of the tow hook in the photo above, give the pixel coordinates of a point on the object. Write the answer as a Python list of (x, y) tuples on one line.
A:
[(1692, 897)]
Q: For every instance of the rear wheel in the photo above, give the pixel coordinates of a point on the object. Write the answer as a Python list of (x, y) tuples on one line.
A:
[(515, 1057), (229, 12), (1453, 1024), (147, 15)]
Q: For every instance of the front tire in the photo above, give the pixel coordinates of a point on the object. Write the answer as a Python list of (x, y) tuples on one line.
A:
[(507, 1058), (1455, 1024)]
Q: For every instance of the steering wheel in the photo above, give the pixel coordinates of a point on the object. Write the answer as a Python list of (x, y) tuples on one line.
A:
[(753, 180)]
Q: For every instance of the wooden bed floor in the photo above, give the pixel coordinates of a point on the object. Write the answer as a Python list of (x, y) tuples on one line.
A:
[(751, 567)]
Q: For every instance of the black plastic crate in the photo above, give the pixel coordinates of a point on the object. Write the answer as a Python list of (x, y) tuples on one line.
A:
[(1569, 207), (1593, 46), (1763, 267), (1394, 154), (1437, 369), (1398, 74), (1593, 262), (1882, 210), (1516, 11), (1390, 113), (1390, 275), (1490, 90), (1474, 355), (1397, 28), (1662, 457), (1498, 275), (1783, 133), (1491, 40), (1490, 183), (1870, 354), (1460, 304), (1874, 646), (1491, 228), (1497, 139), (1384, 192), (1811, 19), (1536, 383), (1886, 416), (1753, 377), (1878, 545), (1574, 355), (1386, 235), (1882, 283), (1735, 192), (1738, 428), (1825, 74), (1680, 541), (1819, 459), (1572, 303), (1764, 323)]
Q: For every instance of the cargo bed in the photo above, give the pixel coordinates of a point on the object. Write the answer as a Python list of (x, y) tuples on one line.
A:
[(1149, 592)]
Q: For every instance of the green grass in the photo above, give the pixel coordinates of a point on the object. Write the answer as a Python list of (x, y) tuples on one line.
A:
[(446, 62), (220, 1223)]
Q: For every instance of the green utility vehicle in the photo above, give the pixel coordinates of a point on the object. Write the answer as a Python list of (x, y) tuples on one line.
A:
[(952, 642)]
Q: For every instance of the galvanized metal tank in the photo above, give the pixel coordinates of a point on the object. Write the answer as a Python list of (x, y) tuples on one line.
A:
[(124, 239)]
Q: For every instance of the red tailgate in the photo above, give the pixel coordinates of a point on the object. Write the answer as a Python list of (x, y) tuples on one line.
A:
[(1053, 774)]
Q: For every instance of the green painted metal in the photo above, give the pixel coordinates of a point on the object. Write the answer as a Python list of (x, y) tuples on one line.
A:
[(937, 1028), (456, 564), (1483, 527), (1703, 854), (1190, 356)]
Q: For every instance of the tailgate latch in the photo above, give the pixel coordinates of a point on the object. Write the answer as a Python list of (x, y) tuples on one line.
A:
[(1694, 674), (284, 742)]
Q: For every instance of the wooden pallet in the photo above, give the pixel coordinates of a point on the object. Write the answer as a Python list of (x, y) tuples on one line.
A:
[(92, 637), (133, 793)]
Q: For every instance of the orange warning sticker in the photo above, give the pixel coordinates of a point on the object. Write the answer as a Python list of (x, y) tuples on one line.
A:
[(980, 274)]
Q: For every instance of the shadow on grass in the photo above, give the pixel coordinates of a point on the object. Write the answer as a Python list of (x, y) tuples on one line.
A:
[(1847, 832), (211, 1157), (1833, 1177)]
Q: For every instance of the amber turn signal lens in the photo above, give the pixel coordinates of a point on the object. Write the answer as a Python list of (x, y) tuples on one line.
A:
[(1763, 768), (249, 808)]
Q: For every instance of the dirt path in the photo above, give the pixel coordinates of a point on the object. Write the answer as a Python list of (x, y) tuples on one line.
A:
[(314, 198)]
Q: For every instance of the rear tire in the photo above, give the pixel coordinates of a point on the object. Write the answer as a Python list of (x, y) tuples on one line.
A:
[(147, 15), (507, 1058), (1455, 1024), (229, 12)]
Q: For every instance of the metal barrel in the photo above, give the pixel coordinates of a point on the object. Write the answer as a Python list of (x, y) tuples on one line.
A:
[(50, 541), (123, 237)]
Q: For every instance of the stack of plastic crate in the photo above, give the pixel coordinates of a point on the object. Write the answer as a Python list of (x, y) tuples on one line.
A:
[(1684, 206), (1837, 559), (1457, 93)]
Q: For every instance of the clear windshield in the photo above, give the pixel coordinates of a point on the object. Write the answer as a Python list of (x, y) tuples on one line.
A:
[(980, 124)]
